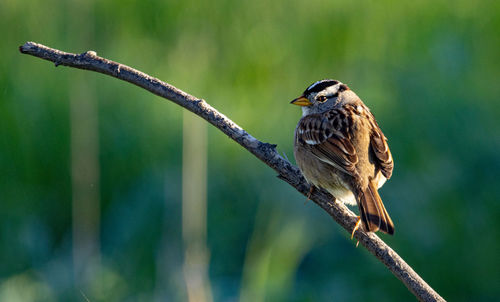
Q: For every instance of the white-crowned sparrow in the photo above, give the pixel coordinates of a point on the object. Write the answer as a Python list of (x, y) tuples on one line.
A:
[(340, 147)]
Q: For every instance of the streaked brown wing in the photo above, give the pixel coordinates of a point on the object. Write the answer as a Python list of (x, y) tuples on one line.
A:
[(327, 137), (381, 150)]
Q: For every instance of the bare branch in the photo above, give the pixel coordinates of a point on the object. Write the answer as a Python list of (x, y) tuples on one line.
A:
[(264, 151)]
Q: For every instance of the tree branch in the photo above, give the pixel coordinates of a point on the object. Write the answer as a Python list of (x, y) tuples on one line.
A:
[(264, 151)]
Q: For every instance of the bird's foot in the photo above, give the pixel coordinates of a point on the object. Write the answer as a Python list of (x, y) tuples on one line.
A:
[(309, 194), (356, 227)]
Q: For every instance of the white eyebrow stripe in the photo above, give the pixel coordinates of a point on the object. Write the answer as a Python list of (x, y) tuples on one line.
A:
[(332, 89)]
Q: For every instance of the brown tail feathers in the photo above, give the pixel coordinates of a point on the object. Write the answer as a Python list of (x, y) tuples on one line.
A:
[(373, 212)]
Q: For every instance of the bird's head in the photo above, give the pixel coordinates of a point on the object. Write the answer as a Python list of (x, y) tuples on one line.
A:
[(320, 96)]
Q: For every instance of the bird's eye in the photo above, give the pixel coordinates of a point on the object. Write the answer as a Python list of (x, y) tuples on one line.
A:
[(321, 98)]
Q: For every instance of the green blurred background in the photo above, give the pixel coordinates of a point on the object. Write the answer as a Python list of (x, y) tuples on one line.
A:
[(91, 167)]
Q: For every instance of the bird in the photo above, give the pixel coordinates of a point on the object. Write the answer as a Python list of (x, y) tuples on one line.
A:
[(338, 146)]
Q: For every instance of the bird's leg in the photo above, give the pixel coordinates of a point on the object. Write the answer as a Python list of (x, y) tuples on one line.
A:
[(356, 227), (309, 194)]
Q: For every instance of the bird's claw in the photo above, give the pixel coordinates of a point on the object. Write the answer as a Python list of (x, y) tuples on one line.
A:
[(309, 194), (356, 227)]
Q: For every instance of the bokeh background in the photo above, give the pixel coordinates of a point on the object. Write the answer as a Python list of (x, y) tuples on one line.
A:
[(93, 169)]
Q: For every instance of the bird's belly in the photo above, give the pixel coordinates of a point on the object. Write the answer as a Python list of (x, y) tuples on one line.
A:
[(343, 194), (324, 176)]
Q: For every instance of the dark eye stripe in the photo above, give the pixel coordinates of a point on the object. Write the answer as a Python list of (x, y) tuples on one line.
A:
[(343, 87), (320, 85)]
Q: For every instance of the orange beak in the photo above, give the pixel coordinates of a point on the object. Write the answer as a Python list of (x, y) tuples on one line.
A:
[(301, 101)]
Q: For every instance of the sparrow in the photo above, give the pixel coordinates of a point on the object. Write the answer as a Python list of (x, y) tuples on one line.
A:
[(339, 147)]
